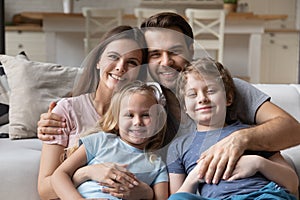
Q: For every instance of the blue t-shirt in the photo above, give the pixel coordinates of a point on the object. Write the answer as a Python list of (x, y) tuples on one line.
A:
[(186, 150), (106, 147)]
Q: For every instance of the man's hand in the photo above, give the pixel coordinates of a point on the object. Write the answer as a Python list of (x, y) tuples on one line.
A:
[(220, 159), (50, 124)]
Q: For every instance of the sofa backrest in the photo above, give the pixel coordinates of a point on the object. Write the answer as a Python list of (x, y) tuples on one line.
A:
[(286, 96)]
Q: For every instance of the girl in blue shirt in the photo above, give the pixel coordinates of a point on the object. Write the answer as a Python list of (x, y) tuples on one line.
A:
[(131, 131)]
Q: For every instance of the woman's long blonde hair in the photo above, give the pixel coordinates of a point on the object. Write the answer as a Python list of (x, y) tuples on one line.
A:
[(109, 122)]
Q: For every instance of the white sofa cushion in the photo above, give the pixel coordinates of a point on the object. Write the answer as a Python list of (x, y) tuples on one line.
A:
[(286, 96)]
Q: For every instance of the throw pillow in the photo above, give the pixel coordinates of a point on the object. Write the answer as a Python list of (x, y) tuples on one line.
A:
[(4, 97), (4, 90), (33, 85)]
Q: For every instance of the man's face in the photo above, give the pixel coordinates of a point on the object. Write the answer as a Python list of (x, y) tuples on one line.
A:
[(168, 55)]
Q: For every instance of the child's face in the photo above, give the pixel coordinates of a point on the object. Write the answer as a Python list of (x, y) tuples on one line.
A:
[(136, 120), (205, 101)]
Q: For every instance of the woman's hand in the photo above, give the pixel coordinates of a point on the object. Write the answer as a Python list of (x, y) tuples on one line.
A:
[(50, 124)]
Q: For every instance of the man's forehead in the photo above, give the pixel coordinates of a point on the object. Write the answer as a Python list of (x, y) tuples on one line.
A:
[(164, 39)]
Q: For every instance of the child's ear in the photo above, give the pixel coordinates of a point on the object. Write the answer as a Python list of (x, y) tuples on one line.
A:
[(184, 108), (229, 100)]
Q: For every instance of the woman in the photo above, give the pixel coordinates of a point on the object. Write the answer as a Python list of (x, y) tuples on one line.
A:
[(114, 62)]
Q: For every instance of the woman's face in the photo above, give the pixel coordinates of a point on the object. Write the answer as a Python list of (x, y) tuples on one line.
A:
[(119, 63)]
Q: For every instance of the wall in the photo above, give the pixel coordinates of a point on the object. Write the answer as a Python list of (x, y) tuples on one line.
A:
[(16, 6), (292, 8)]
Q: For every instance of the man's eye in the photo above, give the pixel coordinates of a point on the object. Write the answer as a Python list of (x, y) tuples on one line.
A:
[(154, 55), (176, 52)]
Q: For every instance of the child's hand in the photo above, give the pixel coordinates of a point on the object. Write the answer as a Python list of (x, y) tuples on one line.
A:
[(135, 193), (112, 175), (246, 166)]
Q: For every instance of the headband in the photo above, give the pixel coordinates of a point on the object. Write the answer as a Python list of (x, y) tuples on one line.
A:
[(160, 97)]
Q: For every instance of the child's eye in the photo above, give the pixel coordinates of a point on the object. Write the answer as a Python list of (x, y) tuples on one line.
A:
[(146, 115), (191, 94), (211, 91), (128, 115)]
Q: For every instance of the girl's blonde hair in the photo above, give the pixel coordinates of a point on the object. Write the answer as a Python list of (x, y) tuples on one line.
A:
[(109, 122)]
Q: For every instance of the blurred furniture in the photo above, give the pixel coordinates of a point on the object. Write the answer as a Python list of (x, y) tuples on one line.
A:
[(32, 41), (97, 22), (280, 56), (64, 35), (143, 13), (208, 27)]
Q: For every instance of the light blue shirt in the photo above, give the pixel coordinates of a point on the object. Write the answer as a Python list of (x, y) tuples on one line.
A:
[(106, 147)]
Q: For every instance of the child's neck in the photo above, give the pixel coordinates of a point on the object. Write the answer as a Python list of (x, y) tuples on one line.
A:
[(202, 128)]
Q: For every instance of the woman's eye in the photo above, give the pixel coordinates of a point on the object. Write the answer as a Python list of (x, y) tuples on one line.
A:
[(114, 57), (133, 63)]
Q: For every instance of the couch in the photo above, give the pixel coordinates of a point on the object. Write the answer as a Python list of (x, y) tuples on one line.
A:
[(20, 158)]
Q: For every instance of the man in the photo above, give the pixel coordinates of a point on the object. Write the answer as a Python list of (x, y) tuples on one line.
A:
[(169, 52), (275, 130)]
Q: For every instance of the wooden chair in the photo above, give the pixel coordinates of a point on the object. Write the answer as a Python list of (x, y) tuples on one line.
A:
[(97, 22), (143, 13), (208, 27)]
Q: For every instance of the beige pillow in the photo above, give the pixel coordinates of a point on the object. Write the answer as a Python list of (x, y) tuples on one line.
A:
[(33, 85)]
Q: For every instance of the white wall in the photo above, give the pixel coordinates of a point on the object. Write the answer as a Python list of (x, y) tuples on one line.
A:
[(16, 6)]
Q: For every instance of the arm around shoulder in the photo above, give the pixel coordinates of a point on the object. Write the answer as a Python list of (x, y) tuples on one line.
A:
[(275, 130)]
